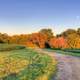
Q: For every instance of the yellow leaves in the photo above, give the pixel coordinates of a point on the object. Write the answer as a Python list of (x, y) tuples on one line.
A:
[(2, 59), (11, 65), (16, 66), (73, 41), (43, 77)]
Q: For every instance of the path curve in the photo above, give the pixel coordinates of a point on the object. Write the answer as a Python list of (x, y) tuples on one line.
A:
[(68, 66)]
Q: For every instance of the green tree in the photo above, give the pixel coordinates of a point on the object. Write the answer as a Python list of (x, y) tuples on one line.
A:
[(68, 32), (47, 32), (4, 38)]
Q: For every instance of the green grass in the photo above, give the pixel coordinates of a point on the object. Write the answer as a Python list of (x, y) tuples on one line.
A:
[(74, 52), (39, 66), (9, 47)]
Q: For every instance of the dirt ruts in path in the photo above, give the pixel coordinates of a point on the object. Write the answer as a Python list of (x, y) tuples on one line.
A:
[(68, 66)]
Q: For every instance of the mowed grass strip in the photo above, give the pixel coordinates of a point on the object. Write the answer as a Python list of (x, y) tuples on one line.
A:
[(9, 47), (26, 64), (72, 52)]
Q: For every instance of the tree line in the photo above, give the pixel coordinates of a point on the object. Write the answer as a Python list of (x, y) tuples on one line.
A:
[(45, 38)]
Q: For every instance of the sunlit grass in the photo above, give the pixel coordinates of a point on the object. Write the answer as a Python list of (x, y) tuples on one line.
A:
[(26, 64)]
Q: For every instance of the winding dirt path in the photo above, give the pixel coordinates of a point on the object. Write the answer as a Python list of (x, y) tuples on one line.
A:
[(68, 66)]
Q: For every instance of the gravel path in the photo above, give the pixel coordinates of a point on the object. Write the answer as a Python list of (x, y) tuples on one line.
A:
[(68, 66)]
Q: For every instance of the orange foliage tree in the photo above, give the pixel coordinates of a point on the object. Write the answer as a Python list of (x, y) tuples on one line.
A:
[(59, 42), (45, 39), (38, 39)]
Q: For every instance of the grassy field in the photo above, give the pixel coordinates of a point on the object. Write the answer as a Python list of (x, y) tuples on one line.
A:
[(72, 52), (20, 63), (9, 47)]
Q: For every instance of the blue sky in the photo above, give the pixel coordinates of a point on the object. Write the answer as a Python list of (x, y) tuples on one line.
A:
[(26, 16)]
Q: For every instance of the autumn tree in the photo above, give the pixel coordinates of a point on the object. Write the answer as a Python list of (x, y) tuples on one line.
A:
[(78, 31), (19, 39), (45, 39), (23, 38), (73, 38), (59, 42), (38, 39), (14, 39), (73, 41)]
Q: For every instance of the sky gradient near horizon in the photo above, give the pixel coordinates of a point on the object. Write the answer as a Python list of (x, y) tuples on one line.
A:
[(26, 16)]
